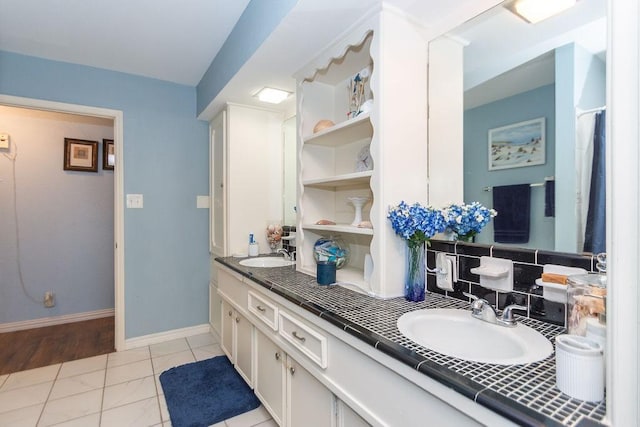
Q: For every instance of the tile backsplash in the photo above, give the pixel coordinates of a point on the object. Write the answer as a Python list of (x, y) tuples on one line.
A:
[(287, 244), (527, 267)]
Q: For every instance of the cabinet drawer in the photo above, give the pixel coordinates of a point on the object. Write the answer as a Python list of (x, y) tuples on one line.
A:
[(231, 287), (311, 343), (263, 310)]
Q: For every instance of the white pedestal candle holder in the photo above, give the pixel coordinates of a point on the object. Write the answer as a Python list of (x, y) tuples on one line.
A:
[(358, 203)]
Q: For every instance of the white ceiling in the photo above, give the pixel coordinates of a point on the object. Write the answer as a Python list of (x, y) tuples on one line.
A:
[(162, 39), (176, 41)]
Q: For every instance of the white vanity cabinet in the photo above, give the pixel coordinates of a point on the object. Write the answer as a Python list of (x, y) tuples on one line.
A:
[(236, 330), (347, 417), (331, 162), (327, 377), (271, 372), (251, 324), (290, 393), (215, 307), (237, 336), (309, 402)]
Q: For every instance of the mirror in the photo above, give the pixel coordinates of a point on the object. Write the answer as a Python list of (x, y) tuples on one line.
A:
[(515, 72), (289, 171)]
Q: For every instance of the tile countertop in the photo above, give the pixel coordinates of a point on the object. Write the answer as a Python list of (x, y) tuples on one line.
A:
[(525, 394)]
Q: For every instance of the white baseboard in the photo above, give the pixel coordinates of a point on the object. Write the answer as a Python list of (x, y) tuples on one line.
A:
[(55, 320), (166, 336)]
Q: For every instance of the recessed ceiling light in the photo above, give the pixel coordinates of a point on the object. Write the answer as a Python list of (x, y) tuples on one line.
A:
[(271, 95), (534, 11)]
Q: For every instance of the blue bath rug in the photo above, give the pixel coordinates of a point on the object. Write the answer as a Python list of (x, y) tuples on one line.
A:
[(206, 392)]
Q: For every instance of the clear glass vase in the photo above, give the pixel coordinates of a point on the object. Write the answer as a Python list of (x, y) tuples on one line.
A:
[(414, 282), (468, 238)]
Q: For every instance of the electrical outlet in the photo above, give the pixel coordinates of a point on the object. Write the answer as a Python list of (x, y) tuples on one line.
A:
[(49, 299)]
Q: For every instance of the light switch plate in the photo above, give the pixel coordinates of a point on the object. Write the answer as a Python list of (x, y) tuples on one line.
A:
[(202, 202), (4, 141), (135, 201)]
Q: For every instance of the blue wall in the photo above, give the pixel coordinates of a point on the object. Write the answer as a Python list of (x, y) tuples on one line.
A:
[(477, 122), (166, 160)]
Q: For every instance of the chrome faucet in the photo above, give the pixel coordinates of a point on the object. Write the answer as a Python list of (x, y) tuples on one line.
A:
[(291, 256), (481, 309)]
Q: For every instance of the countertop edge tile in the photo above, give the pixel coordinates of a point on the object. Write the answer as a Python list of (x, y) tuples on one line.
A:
[(523, 416)]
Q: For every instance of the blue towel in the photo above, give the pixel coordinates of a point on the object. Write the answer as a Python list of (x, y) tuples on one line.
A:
[(513, 204), (550, 198)]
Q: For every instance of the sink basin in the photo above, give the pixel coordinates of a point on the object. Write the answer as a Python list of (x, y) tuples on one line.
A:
[(455, 333), (266, 261)]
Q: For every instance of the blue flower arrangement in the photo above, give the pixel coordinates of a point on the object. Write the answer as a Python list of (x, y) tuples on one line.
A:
[(416, 223), (467, 220)]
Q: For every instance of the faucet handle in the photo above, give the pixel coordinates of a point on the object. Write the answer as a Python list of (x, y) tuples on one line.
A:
[(470, 295), (507, 313), (477, 304)]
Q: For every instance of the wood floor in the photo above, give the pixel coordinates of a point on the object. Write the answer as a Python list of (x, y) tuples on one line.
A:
[(34, 348)]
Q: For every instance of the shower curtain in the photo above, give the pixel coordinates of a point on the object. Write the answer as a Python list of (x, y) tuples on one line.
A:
[(590, 182), (595, 234)]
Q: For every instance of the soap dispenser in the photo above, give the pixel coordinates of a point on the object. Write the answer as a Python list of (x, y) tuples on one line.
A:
[(254, 249)]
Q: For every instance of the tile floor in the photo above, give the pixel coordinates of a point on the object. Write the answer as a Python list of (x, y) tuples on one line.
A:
[(117, 389)]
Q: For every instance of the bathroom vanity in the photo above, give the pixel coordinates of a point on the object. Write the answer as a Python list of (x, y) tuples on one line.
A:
[(326, 355)]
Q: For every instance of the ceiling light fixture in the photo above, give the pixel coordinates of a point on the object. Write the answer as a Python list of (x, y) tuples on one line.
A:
[(534, 11), (271, 95)]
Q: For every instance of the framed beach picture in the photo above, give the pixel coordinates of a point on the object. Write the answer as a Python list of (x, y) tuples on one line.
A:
[(80, 155), (108, 154), (517, 145)]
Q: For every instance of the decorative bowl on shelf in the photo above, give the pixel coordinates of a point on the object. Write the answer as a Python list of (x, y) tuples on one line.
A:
[(322, 125), (331, 249)]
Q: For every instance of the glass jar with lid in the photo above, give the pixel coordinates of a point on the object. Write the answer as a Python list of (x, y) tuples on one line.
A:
[(586, 298)]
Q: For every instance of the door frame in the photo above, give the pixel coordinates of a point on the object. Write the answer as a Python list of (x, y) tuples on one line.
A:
[(118, 140)]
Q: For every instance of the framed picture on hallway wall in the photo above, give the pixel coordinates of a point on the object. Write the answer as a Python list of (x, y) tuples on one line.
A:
[(80, 155), (108, 154)]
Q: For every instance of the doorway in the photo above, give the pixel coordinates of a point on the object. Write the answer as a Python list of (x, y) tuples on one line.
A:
[(118, 189)]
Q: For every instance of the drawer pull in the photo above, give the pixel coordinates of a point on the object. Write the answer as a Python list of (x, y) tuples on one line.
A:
[(292, 370), (277, 355), (261, 308), (230, 313), (298, 337), (237, 320)]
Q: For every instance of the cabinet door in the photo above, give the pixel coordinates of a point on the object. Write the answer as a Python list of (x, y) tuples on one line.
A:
[(347, 417), (270, 376), (243, 347), (309, 402), (217, 216), (227, 330), (215, 309)]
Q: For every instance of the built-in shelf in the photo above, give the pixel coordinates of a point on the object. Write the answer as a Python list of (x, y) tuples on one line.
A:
[(393, 130), (339, 228), (344, 132), (328, 162), (340, 180), (346, 274)]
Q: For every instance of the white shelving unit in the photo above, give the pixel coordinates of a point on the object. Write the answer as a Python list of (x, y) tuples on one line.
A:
[(394, 130)]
